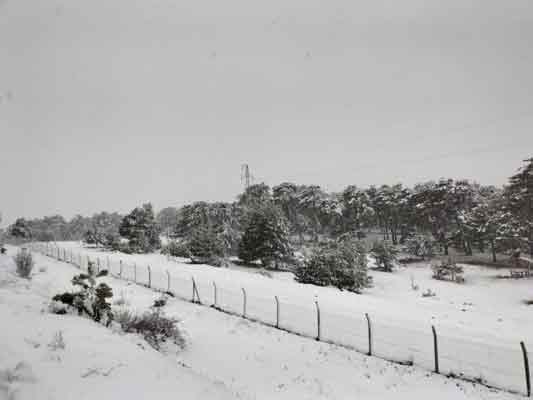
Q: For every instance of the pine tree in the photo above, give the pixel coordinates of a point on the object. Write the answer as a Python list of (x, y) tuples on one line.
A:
[(205, 246), (266, 237), (20, 229), (520, 202), (141, 229)]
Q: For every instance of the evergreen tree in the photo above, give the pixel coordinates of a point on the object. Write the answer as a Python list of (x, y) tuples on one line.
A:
[(167, 219), (520, 203), (205, 246), (20, 229), (141, 229), (266, 237)]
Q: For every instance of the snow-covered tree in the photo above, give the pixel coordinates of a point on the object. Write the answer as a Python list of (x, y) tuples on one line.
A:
[(340, 263), (266, 237), (141, 229), (440, 208), (357, 211), (167, 219), (519, 195), (20, 229)]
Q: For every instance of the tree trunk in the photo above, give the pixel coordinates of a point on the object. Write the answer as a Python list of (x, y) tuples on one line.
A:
[(493, 250), (445, 249)]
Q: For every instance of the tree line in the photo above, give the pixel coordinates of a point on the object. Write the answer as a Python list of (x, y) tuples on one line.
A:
[(263, 221)]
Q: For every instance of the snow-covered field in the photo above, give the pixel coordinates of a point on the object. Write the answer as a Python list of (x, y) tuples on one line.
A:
[(480, 324), (226, 357)]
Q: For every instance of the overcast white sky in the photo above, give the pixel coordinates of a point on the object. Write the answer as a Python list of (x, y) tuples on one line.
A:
[(105, 104)]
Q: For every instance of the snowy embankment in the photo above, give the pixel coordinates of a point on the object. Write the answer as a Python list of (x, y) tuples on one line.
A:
[(480, 324), (45, 356), (226, 357)]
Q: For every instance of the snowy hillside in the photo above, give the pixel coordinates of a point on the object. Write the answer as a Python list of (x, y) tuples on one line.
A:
[(227, 357)]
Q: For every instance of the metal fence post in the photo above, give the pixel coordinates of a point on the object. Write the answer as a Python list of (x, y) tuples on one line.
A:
[(526, 366), (98, 264), (243, 303), (195, 294), (108, 264), (317, 320), (168, 281), (369, 323), (277, 311), (120, 269), (149, 277), (215, 294), (436, 349), (135, 272)]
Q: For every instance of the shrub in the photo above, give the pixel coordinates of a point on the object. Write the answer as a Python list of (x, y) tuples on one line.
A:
[(91, 299), (448, 270), (385, 254), (154, 326), (177, 249), (341, 264), (24, 262), (420, 246)]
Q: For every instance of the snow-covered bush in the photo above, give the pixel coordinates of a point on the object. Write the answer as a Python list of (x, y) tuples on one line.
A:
[(90, 299), (420, 246), (153, 326), (342, 264), (58, 342), (24, 262), (448, 270), (385, 255), (177, 249)]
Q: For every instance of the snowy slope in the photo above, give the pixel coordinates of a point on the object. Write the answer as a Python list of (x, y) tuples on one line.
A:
[(241, 357), (95, 362), (480, 324)]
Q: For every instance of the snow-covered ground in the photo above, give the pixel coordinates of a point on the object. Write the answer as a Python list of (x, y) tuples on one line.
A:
[(480, 324), (226, 357)]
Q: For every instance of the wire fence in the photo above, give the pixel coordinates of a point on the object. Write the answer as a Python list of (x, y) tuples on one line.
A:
[(489, 360)]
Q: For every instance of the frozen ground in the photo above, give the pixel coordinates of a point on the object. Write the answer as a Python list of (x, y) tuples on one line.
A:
[(480, 324), (227, 357)]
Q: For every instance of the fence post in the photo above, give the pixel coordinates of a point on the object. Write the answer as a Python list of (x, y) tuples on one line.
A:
[(526, 366), (369, 323), (168, 281), (108, 264), (215, 294), (317, 320), (277, 311), (193, 289), (436, 349), (243, 303), (149, 276), (120, 269), (135, 272), (98, 264)]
